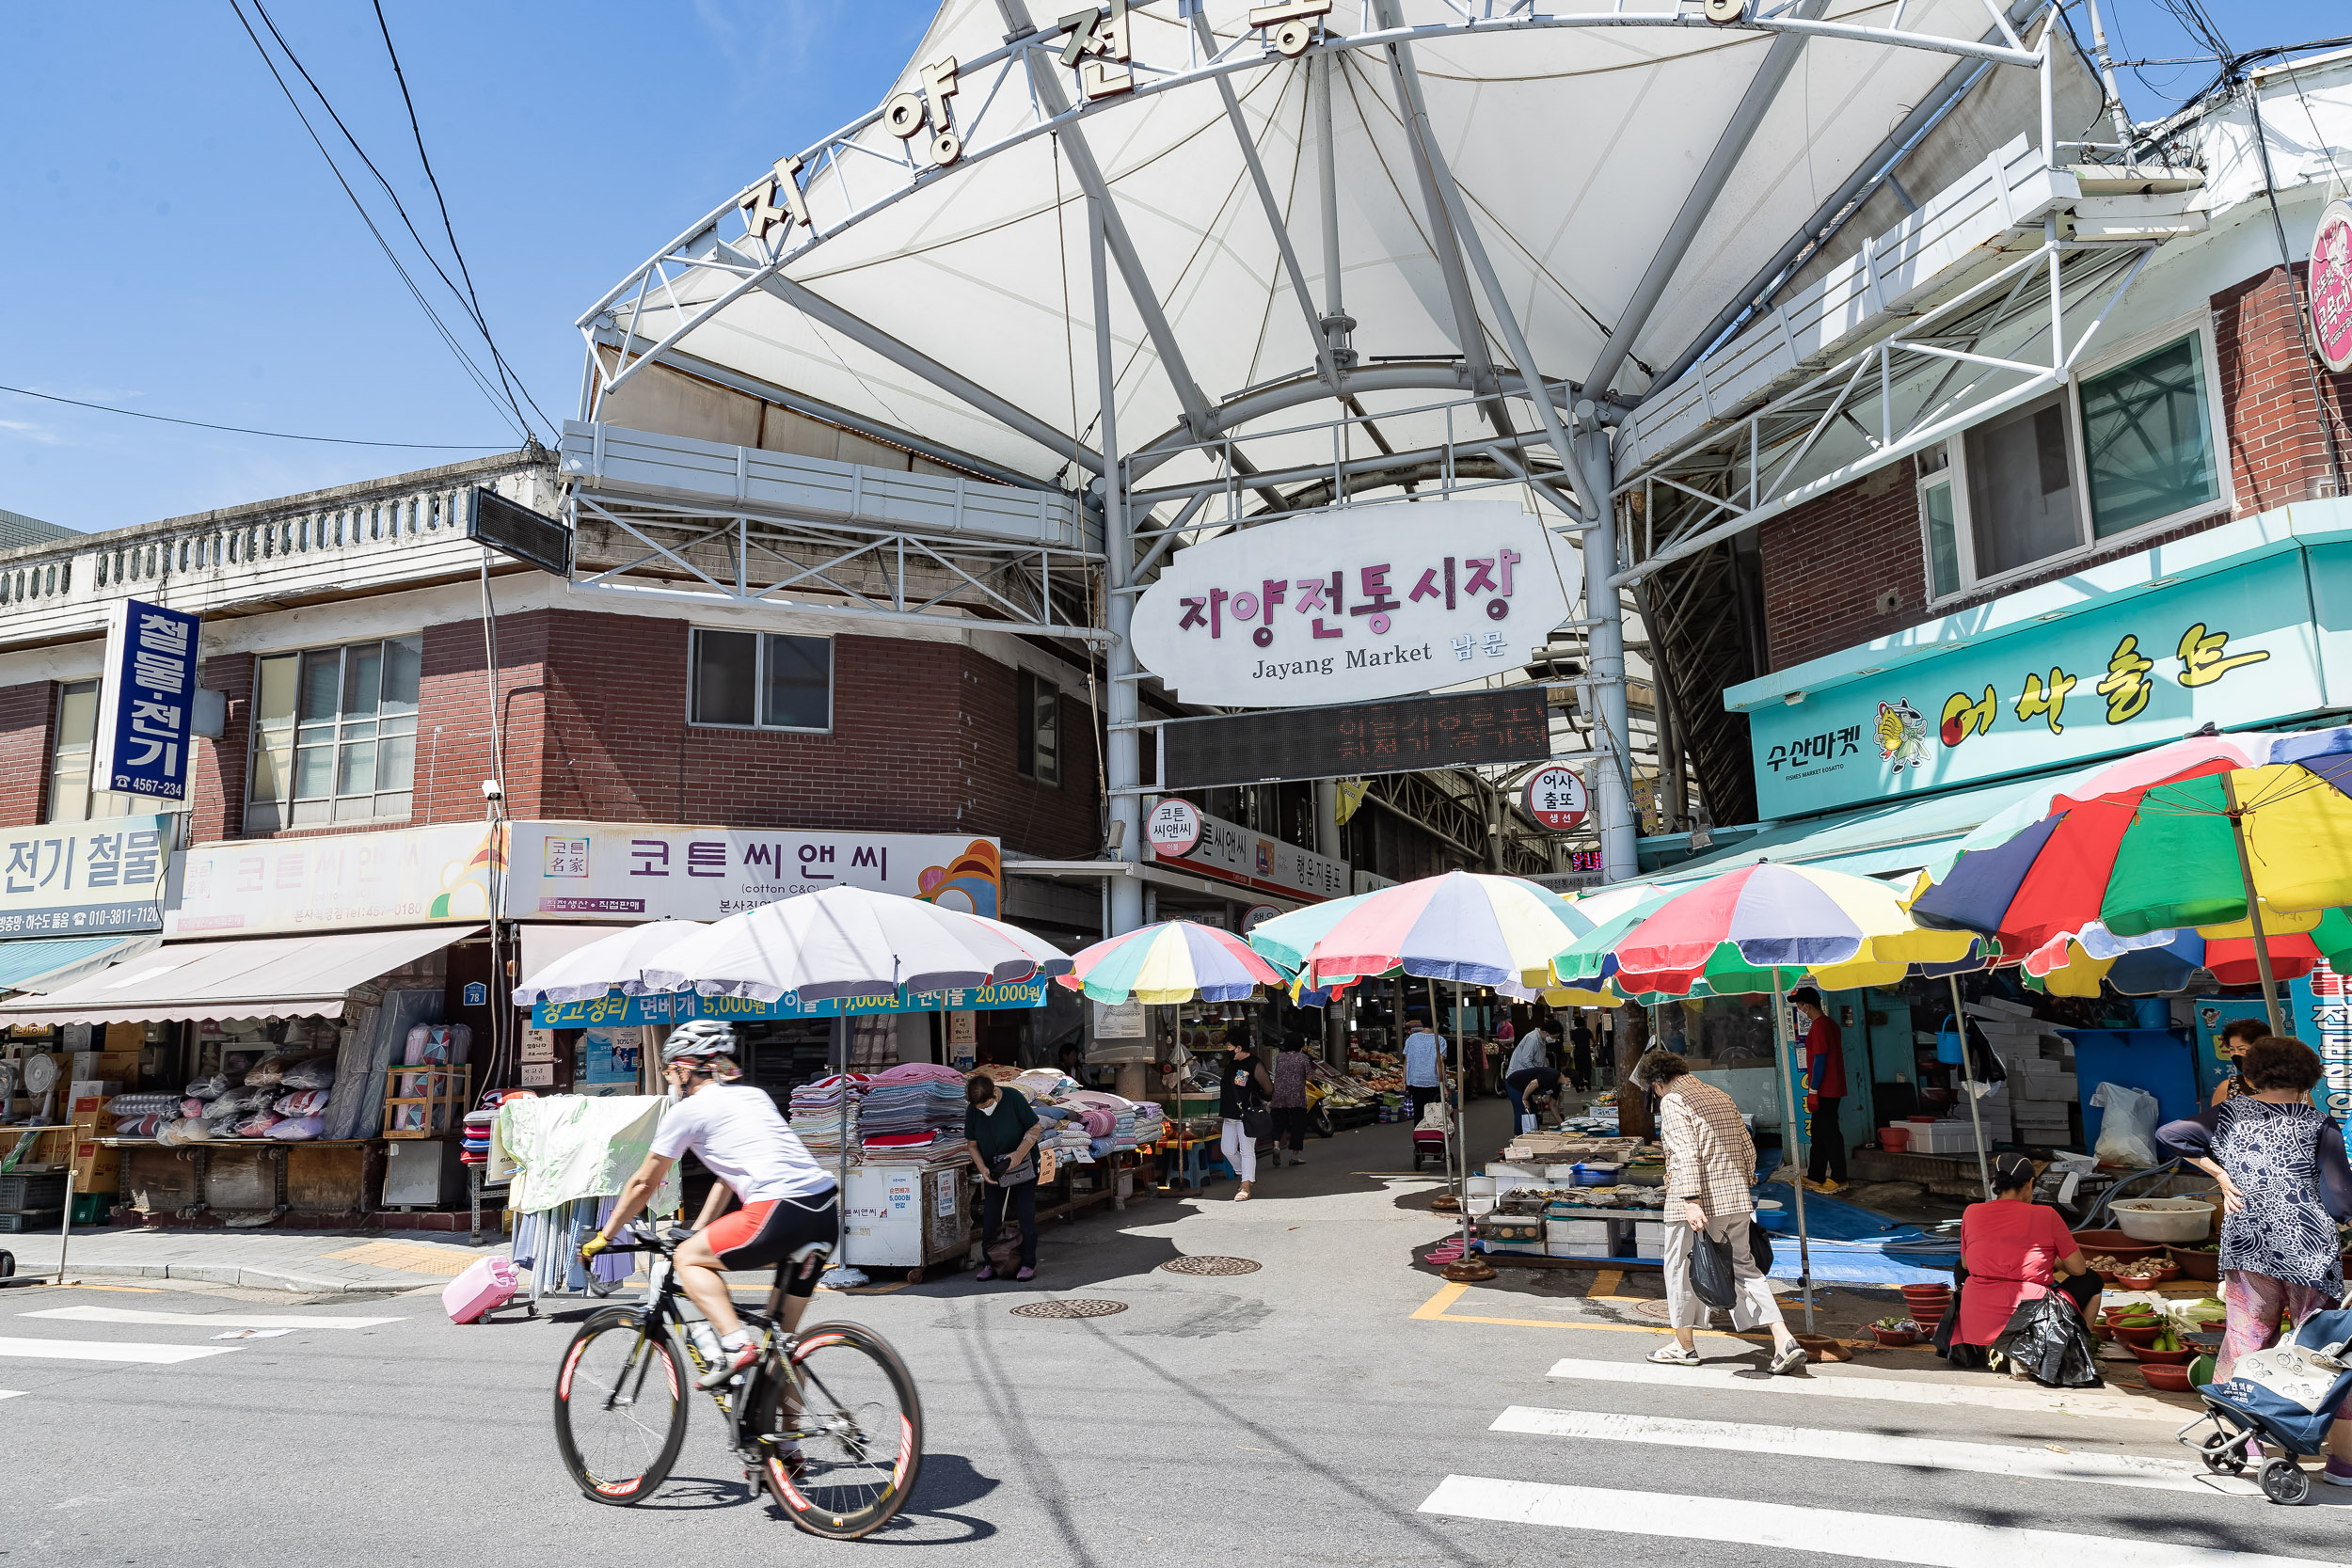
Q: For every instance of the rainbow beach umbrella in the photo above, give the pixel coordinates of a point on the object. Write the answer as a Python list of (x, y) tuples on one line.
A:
[(1468, 927), (1175, 960)]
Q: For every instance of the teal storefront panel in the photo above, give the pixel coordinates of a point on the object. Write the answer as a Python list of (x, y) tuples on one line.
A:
[(615, 1010), (2237, 647)]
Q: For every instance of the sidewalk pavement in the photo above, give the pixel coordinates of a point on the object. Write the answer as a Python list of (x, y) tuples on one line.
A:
[(311, 1263)]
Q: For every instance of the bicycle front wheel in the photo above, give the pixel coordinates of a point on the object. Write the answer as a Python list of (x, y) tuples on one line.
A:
[(620, 1406), (842, 1448)]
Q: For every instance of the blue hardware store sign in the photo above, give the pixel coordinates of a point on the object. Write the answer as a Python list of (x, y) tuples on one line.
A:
[(613, 1008), (146, 708)]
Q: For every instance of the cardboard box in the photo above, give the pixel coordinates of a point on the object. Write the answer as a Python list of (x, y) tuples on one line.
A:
[(96, 1092), (95, 1168)]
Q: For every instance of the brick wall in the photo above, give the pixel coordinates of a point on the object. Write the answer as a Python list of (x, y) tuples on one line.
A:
[(25, 714), (2277, 451), (1826, 563), (221, 766)]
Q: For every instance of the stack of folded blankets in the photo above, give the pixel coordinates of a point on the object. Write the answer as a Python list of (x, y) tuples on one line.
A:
[(816, 1114), (913, 1114), (474, 1148)]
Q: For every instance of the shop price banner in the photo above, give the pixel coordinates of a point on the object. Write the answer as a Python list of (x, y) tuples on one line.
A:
[(613, 1009), (644, 871), (1359, 602), (1232, 853), (85, 878)]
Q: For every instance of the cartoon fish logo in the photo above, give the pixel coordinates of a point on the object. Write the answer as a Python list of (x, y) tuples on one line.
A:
[(1902, 735)]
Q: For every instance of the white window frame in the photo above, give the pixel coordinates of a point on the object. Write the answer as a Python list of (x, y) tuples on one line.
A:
[(759, 679), (256, 824), (1955, 471)]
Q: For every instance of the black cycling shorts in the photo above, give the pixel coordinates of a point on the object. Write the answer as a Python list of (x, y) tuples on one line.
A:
[(761, 1234)]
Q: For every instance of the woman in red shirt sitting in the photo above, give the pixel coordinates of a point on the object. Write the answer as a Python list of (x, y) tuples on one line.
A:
[(2015, 1251)]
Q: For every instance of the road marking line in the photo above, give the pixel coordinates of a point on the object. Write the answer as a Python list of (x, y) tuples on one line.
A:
[(11, 1393), (202, 1320), (447, 1262), (1436, 1310), (1983, 1393), (104, 1350), (1817, 1532), (2026, 1464), (1605, 1284)]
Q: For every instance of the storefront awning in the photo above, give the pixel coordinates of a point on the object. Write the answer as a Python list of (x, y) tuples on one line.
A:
[(255, 978), (1888, 840), (51, 963)]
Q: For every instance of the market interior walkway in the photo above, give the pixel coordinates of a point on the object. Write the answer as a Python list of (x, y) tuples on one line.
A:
[(1338, 1404)]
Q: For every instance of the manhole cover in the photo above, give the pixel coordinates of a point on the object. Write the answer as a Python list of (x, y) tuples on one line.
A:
[(1212, 1265), (1657, 1311), (1093, 1309)]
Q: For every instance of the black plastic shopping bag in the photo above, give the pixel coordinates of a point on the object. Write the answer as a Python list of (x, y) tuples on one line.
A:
[(2047, 1337)]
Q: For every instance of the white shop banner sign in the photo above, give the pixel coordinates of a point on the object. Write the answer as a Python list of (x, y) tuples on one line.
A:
[(1233, 853), (1349, 606), (338, 881), (632, 872)]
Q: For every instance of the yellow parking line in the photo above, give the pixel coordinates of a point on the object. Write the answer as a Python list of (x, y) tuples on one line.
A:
[(1605, 1283), (1438, 1310)]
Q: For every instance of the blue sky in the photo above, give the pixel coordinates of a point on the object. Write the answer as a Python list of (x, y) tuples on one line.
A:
[(176, 244)]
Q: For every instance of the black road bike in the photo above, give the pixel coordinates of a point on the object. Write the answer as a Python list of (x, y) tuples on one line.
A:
[(827, 1417)]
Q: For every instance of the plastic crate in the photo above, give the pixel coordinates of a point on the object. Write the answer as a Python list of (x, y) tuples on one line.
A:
[(21, 1223), (94, 1208), (32, 1192)]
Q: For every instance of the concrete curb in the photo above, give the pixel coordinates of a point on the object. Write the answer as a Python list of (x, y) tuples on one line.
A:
[(251, 1278)]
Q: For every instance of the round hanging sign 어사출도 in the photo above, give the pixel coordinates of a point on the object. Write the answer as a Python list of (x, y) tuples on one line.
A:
[(1173, 828), (1555, 798)]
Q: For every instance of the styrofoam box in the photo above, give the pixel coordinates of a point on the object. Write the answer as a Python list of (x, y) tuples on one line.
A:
[(1576, 1249), (1653, 1252), (1509, 1178), (1557, 1174), (1478, 1205), (1649, 1230), (1576, 1230)]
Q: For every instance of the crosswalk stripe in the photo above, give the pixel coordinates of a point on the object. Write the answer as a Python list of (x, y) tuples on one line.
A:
[(1871, 1447), (1817, 1532), (202, 1320), (107, 1350), (1982, 1393), (11, 1393)]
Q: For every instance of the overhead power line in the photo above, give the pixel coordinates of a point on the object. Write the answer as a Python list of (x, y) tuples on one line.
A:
[(507, 405), (241, 430)]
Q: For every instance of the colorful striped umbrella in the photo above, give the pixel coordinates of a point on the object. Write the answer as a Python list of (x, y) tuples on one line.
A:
[(1175, 960), (1479, 929), (2233, 837), (1758, 927), (2075, 964)]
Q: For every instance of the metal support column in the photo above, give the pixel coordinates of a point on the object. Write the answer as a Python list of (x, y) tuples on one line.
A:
[(1120, 766), (1613, 791)]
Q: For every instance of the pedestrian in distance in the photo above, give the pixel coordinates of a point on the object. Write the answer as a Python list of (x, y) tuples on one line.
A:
[(1581, 1058), (1290, 1100), (2013, 1251), (1536, 1087), (1710, 1160), (1423, 1052), (1504, 1046), (1824, 1074), (1240, 1097), (2285, 1186), (1000, 1134), (1531, 1051)]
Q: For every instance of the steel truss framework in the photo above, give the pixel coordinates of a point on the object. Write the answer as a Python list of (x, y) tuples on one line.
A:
[(1014, 95), (635, 546)]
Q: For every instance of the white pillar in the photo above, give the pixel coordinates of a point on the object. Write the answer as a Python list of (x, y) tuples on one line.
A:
[(1120, 767), (1611, 781)]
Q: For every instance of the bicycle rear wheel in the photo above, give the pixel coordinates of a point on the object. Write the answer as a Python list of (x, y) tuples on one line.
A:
[(620, 1408), (860, 1434)]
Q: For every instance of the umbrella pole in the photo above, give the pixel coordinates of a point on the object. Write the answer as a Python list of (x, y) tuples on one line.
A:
[(1788, 1142), (1448, 1202), (1467, 1269), (2253, 908), (1959, 1021)]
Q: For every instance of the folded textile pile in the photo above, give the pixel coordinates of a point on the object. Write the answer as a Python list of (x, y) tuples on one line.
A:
[(914, 1101), (816, 1114), (473, 1147)]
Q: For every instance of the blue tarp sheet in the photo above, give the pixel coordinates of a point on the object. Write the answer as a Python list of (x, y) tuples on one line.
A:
[(1848, 1243)]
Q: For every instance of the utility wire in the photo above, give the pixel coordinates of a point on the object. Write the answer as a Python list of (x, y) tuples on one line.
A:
[(505, 406), (508, 377), (241, 430)]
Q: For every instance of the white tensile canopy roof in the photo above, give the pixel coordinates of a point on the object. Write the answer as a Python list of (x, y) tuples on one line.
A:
[(1575, 147)]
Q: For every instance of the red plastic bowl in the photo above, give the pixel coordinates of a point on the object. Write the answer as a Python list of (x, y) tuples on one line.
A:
[(2138, 1338), (2165, 1376), (2163, 1357)]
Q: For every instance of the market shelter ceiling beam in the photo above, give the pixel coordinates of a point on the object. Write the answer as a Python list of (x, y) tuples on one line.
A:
[(1762, 89)]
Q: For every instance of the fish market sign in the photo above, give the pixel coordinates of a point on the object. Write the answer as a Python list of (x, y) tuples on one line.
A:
[(1354, 605), (2234, 648), (614, 1010)]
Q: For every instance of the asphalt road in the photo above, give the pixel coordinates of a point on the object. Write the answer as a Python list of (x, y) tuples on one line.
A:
[(1338, 1406)]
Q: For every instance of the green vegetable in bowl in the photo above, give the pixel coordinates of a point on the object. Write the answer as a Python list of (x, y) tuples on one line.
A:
[(1897, 1326)]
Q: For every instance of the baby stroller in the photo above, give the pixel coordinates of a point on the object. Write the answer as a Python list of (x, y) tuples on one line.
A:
[(2287, 1397)]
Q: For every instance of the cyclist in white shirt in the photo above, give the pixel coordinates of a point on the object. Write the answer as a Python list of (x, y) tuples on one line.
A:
[(789, 1200)]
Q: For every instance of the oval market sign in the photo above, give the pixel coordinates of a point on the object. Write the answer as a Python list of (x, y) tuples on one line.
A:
[(1350, 606), (1173, 828), (2330, 283), (1555, 798)]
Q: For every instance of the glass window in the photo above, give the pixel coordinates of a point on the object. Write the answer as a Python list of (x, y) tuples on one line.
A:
[(335, 736), (73, 743), (1037, 747), (761, 680), (2148, 439), (2021, 488), (1935, 501)]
